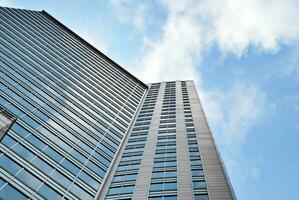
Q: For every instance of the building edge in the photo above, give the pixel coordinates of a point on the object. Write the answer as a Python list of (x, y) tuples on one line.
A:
[(93, 48), (227, 179)]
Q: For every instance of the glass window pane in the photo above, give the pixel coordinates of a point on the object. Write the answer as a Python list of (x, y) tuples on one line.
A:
[(29, 179), (62, 180), (199, 185), (127, 189), (70, 167), (170, 186), (8, 192), (2, 182), (36, 142), (53, 154), (89, 180), (9, 165), (49, 193), (79, 192), (201, 197), (115, 190), (42, 165), (19, 130), (23, 152), (8, 141), (156, 187)]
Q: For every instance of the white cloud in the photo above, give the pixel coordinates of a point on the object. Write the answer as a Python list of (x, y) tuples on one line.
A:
[(131, 12), (175, 55), (193, 26), (9, 3), (233, 111)]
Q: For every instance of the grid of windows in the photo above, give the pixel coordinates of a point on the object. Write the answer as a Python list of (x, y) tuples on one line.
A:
[(198, 180), (73, 107), (124, 180), (164, 175)]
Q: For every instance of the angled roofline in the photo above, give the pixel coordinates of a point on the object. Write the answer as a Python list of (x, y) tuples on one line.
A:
[(93, 48)]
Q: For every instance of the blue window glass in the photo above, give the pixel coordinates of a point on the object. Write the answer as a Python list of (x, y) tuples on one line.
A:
[(158, 164), (119, 178), (156, 198), (9, 192), (29, 179), (78, 156), (2, 182), (9, 165), (89, 180), (42, 165), (170, 198), (158, 175), (197, 172), (195, 162), (36, 142), (13, 109), (199, 185), (131, 177), (19, 130), (31, 122), (61, 179), (8, 141), (170, 164), (23, 152), (127, 189), (170, 174), (95, 168), (49, 193), (156, 187), (170, 186), (201, 197), (114, 190), (53, 154), (79, 192), (70, 167), (102, 159)]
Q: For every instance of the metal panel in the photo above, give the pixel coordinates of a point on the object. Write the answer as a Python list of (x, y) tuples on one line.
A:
[(185, 190), (217, 182)]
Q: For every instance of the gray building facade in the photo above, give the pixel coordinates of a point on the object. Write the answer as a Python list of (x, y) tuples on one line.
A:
[(76, 125)]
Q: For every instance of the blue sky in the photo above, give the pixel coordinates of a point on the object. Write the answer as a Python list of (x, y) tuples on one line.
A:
[(244, 57)]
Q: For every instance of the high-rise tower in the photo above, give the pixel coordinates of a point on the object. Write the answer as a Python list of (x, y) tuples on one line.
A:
[(75, 125)]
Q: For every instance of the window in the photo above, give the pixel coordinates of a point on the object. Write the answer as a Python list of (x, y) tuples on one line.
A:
[(172, 197), (199, 185), (9, 165), (201, 197), (197, 172), (49, 193), (163, 186), (27, 178), (9, 192)]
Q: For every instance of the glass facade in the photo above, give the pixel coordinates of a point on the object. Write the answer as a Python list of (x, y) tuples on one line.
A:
[(73, 107), (75, 125)]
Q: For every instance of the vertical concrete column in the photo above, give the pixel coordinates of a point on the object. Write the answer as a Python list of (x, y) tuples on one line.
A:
[(185, 190), (146, 166), (218, 184)]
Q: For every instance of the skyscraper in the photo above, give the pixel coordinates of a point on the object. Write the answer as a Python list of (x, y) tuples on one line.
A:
[(76, 125)]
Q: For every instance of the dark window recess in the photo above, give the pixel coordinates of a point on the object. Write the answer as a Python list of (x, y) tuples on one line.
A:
[(6, 121)]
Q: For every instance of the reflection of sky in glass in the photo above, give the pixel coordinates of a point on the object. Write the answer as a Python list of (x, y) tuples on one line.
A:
[(72, 109)]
